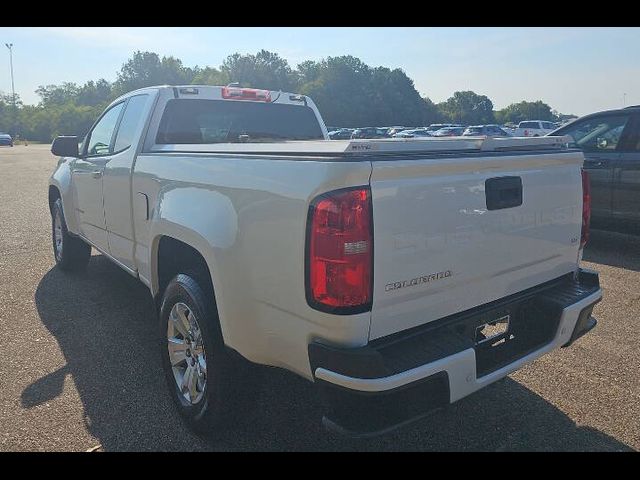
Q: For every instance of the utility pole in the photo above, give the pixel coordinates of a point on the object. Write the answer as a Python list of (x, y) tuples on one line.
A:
[(13, 90), (624, 99)]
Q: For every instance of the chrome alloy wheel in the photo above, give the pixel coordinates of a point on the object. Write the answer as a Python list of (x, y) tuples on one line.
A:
[(186, 353), (57, 233)]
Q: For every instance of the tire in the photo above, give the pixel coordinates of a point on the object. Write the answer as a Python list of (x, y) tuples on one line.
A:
[(213, 404), (71, 253)]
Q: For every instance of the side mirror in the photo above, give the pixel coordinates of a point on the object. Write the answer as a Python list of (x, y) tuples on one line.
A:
[(66, 146)]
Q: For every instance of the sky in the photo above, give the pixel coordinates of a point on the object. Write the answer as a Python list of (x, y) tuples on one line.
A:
[(574, 70)]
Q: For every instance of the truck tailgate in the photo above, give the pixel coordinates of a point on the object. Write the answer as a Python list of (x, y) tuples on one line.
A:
[(448, 238)]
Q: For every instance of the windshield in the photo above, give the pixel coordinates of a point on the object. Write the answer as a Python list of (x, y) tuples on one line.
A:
[(228, 121)]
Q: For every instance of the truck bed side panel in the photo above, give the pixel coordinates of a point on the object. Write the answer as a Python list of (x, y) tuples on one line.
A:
[(247, 217)]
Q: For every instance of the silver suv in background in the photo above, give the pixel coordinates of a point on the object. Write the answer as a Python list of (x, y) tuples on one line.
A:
[(533, 128)]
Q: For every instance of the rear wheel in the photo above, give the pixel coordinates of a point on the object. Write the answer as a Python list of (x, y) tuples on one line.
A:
[(71, 253), (202, 376)]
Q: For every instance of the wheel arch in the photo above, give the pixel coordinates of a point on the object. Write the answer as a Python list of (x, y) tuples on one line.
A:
[(54, 194), (60, 183), (189, 253)]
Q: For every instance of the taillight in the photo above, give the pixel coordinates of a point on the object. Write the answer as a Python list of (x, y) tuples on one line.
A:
[(340, 251), (586, 208), (237, 93)]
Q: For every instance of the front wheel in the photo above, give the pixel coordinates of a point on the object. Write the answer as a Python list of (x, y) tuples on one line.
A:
[(201, 375), (71, 253)]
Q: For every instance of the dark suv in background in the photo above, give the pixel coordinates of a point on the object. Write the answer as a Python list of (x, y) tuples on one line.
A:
[(610, 141)]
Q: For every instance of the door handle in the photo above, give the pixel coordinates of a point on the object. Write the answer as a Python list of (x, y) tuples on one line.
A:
[(96, 174), (594, 163)]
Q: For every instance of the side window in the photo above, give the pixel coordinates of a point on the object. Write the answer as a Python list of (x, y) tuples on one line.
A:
[(631, 142), (547, 125), (99, 139), (600, 134), (130, 122)]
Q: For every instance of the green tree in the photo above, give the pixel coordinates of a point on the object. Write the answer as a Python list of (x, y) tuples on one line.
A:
[(468, 108), (95, 93), (395, 100), (431, 112), (51, 95), (145, 69), (517, 112), (10, 113), (263, 70), (341, 88), (211, 76)]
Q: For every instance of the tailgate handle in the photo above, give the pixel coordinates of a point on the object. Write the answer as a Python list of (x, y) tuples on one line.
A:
[(503, 192)]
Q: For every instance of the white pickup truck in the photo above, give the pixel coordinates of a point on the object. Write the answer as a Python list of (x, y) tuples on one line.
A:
[(533, 128), (396, 275)]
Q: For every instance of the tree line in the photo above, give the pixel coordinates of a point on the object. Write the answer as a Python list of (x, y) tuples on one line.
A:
[(347, 91)]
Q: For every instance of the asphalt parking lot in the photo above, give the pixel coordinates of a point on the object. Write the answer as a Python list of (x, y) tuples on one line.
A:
[(79, 367)]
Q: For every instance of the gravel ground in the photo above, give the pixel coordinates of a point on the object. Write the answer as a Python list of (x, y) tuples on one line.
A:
[(79, 368)]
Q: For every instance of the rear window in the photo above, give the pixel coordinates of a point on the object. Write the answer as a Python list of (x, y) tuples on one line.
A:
[(228, 121), (529, 125)]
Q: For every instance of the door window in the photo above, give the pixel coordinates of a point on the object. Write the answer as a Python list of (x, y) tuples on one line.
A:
[(99, 139), (631, 141), (130, 121), (599, 134)]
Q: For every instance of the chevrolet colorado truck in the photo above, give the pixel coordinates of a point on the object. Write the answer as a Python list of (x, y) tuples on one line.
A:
[(397, 275)]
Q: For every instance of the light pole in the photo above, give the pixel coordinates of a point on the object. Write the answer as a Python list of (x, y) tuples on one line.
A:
[(624, 99), (13, 90)]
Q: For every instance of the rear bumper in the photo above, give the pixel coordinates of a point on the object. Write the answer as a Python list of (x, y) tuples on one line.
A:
[(397, 379)]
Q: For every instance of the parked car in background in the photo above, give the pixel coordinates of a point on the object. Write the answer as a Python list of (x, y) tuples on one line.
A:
[(417, 132), (533, 128), (434, 127), (610, 141), (341, 134), (485, 130), (395, 130), (449, 132), (384, 131), (367, 132), (510, 128), (6, 140)]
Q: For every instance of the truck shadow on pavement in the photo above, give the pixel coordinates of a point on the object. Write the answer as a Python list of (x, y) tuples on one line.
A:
[(104, 322)]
